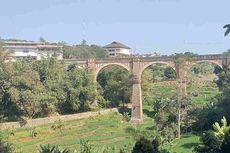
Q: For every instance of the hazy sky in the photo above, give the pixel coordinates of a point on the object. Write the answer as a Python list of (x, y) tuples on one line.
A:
[(166, 26)]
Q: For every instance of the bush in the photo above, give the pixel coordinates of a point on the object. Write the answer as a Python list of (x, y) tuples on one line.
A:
[(126, 116), (52, 149), (5, 147), (144, 145), (85, 146), (216, 140)]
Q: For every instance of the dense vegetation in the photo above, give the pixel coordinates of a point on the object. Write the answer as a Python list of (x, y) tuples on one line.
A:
[(40, 88), (115, 86), (31, 89), (84, 50)]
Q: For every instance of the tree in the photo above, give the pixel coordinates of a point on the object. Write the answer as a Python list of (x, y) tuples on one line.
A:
[(227, 27), (42, 39), (26, 88), (144, 145), (217, 69), (169, 73), (116, 85), (84, 51), (83, 42)]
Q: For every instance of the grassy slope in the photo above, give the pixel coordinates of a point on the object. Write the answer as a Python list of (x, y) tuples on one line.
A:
[(108, 130), (102, 131), (184, 145)]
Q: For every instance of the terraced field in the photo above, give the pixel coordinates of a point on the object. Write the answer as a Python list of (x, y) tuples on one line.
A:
[(108, 131)]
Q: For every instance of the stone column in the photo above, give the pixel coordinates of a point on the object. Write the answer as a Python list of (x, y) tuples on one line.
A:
[(137, 110), (91, 66), (181, 70), (227, 61)]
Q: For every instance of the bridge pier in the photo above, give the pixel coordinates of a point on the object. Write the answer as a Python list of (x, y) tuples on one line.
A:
[(137, 110), (182, 70), (136, 66), (91, 67)]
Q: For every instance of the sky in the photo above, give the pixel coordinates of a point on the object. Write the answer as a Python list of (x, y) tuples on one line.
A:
[(164, 26)]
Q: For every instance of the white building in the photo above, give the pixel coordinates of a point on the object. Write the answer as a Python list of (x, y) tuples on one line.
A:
[(117, 49), (36, 50)]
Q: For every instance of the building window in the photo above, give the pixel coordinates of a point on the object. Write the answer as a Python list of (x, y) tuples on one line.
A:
[(111, 50), (25, 51)]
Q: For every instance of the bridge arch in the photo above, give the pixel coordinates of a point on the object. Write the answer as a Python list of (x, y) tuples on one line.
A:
[(218, 63), (100, 67), (172, 65)]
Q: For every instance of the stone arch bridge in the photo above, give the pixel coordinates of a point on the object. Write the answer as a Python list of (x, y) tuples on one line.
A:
[(137, 65)]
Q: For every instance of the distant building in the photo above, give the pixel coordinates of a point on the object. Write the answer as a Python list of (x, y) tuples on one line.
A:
[(117, 49), (155, 54), (36, 50)]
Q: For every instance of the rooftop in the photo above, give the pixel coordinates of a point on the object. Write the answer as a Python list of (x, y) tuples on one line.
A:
[(29, 44), (116, 45)]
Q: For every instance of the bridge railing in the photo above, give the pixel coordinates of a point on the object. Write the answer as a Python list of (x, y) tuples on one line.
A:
[(156, 58)]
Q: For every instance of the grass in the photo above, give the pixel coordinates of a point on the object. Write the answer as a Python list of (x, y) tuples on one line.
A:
[(201, 90), (101, 131), (110, 130), (183, 145)]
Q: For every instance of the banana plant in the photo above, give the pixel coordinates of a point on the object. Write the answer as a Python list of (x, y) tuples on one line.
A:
[(227, 27), (222, 130)]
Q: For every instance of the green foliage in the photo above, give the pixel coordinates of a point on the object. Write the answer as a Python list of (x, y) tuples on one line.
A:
[(144, 145), (154, 74), (217, 69), (165, 118), (41, 88), (58, 125), (183, 57), (205, 68), (5, 147), (227, 27), (84, 51), (169, 73), (52, 149), (127, 116), (217, 140), (33, 132), (125, 149), (85, 146), (116, 85)]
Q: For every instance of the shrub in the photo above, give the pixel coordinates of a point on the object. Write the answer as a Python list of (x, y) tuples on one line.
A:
[(58, 125), (5, 147), (216, 140), (126, 116), (52, 149), (85, 146)]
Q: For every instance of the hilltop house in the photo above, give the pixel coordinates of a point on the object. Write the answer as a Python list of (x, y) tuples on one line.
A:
[(36, 50), (117, 49)]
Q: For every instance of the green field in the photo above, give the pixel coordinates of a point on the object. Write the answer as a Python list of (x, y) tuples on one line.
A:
[(111, 130), (199, 89), (102, 131)]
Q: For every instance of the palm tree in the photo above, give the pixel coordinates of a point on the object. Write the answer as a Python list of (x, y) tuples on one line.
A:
[(228, 29)]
